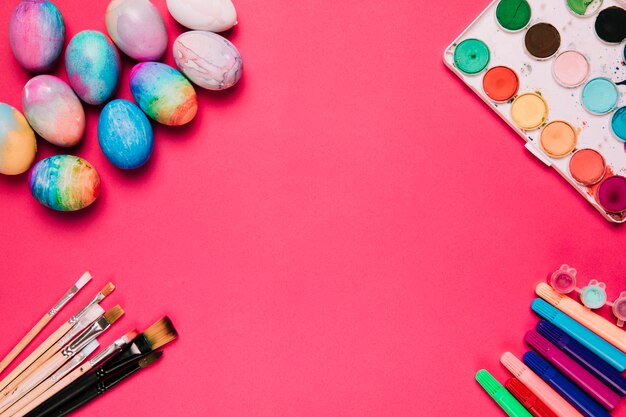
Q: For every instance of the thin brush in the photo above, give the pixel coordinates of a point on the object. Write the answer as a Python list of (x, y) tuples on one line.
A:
[(94, 391), (113, 348), (73, 323), (64, 370), (48, 368), (156, 336), (31, 364), (84, 279)]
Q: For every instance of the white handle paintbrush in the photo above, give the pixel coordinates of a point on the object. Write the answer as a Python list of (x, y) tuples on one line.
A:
[(84, 279)]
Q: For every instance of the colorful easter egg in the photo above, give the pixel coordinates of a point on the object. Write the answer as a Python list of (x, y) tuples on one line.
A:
[(53, 110), (208, 59), (36, 34), (211, 15), (137, 28), (93, 66), (125, 134), (163, 93), (17, 142), (64, 182)]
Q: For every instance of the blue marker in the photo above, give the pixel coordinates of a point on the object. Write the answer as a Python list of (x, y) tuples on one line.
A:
[(566, 388), (612, 355)]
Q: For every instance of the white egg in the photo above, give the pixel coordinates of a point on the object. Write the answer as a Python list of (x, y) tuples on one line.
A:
[(211, 15)]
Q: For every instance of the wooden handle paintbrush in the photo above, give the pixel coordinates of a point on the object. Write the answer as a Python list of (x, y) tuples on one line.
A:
[(84, 279)]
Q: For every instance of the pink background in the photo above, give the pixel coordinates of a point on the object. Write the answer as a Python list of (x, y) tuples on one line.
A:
[(348, 232)]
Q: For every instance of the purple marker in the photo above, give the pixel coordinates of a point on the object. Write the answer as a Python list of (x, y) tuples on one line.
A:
[(596, 389)]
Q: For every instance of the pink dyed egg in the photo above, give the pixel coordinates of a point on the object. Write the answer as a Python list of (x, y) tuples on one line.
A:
[(137, 28), (36, 34), (208, 59), (53, 110)]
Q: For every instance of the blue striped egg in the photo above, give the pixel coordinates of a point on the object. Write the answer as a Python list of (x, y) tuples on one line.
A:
[(125, 134)]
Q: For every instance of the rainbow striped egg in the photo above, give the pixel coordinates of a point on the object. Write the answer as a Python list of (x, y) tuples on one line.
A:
[(163, 93), (36, 34), (64, 182), (93, 66)]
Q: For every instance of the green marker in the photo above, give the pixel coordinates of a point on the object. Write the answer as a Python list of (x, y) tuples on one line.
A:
[(500, 395)]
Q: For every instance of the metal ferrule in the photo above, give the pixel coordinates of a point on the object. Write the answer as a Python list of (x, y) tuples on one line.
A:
[(74, 362), (67, 297), (76, 317), (85, 320), (109, 350), (85, 337)]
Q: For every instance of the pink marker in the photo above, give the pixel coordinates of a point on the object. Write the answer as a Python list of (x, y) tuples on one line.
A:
[(538, 387)]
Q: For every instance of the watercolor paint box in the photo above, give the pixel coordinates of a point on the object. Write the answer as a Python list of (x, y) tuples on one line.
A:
[(554, 71)]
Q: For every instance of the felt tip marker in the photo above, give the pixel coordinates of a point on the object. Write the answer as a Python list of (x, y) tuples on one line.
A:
[(500, 395), (529, 400)]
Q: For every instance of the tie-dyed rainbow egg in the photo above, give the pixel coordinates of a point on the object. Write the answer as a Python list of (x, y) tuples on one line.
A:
[(36, 34), (17, 142), (64, 183), (208, 59), (93, 66), (53, 110), (137, 28), (125, 134), (163, 93)]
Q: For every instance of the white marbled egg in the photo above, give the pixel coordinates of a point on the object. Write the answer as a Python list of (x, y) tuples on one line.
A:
[(209, 60), (211, 15)]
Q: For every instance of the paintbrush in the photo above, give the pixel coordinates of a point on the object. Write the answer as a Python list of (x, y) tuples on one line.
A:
[(84, 279), (59, 358), (60, 380), (92, 391), (70, 329), (155, 337)]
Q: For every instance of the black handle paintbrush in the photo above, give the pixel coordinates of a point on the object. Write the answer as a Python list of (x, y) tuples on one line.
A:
[(94, 390)]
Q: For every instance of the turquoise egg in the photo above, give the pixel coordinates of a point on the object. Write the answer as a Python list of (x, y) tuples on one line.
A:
[(93, 66), (125, 134)]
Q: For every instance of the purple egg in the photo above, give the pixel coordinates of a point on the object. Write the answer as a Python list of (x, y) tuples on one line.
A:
[(36, 34)]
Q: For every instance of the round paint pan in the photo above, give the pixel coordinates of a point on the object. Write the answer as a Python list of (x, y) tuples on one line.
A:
[(529, 111), (513, 15), (612, 194), (500, 84), (558, 139), (587, 167), (542, 41), (610, 25), (570, 69), (471, 56), (618, 124), (600, 96), (563, 280), (584, 8)]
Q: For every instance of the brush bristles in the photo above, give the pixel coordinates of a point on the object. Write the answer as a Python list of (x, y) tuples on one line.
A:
[(488, 382), (544, 309), (113, 314), (108, 289), (83, 280), (160, 333), (546, 292), (538, 343), (149, 359), (131, 335), (514, 365)]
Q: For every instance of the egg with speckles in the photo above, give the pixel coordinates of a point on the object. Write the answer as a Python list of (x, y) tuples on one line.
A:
[(137, 28), (64, 183), (209, 60), (36, 34), (93, 66), (125, 134), (18, 145), (53, 110), (163, 93), (212, 15)]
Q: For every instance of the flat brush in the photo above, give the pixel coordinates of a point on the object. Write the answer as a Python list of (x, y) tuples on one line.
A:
[(59, 358), (84, 279), (31, 363), (75, 322), (32, 401), (64, 370), (95, 390), (159, 334)]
